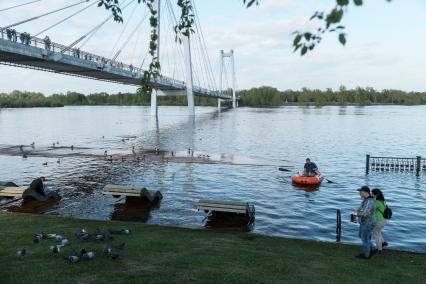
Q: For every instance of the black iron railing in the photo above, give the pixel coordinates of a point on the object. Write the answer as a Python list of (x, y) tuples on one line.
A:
[(395, 164)]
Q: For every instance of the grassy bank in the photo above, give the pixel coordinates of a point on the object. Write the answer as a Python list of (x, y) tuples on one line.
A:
[(165, 254)]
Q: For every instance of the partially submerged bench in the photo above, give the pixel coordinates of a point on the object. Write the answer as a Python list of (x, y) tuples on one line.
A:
[(132, 192), (28, 194), (245, 210), (12, 191)]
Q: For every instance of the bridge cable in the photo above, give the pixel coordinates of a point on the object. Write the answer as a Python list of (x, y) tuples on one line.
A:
[(179, 48), (42, 15), (198, 24), (130, 36), (97, 28), (20, 5), (67, 18), (92, 31), (171, 43), (123, 30)]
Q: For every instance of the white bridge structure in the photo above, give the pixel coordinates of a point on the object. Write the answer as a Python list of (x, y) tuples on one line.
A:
[(39, 52)]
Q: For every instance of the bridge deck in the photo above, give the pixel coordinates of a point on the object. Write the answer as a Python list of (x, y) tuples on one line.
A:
[(58, 59)]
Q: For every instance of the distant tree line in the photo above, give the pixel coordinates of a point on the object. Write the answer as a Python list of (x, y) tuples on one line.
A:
[(19, 99), (255, 97), (269, 96)]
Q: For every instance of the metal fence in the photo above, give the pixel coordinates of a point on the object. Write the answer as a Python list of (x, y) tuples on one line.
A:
[(395, 164)]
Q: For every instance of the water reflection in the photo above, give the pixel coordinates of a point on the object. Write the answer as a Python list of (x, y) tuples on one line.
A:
[(135, 210)]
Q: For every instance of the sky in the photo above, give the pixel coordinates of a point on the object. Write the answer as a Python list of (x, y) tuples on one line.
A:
[(385, 48)]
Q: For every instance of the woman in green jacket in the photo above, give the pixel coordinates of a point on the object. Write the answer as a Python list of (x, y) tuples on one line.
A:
[(380, 220)]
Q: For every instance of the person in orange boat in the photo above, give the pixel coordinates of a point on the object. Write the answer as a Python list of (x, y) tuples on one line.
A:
[(310, 169)]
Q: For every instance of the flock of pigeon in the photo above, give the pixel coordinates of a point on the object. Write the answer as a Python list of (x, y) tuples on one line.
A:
[(83, 236)]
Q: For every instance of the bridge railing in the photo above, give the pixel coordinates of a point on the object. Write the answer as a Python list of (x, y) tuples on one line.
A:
[(47, 44), (26, 39)]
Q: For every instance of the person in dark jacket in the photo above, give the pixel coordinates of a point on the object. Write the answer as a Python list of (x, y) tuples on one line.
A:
[(310, 168), (37, 185)]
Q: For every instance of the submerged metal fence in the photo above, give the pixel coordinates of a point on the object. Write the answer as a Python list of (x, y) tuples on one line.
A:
[(395, 164)]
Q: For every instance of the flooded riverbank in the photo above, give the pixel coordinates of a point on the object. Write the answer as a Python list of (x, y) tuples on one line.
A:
[(236, 155)]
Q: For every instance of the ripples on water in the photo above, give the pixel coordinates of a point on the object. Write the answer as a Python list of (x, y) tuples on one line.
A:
[(336, 138)]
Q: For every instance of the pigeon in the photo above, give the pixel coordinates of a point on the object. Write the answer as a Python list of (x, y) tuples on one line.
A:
[(120, 232), (83, 235), (73, 257), (115, 255), (51, 236), (64, 242), (119, 246), (21, 253), (38, 237), (56, 248), (87, 254), (100, 237), (59, 238)]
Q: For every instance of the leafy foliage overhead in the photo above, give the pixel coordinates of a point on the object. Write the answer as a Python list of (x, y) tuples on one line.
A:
[(306, 41)]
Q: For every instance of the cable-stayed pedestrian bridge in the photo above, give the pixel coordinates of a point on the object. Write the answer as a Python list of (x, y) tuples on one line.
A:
[(184, 77), (52, 58)]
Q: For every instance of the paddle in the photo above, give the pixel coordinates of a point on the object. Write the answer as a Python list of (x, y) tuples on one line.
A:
[(329, 181), (283, 169)]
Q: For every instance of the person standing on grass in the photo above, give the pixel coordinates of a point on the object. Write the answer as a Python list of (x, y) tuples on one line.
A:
[(365, 214), (380, 219)]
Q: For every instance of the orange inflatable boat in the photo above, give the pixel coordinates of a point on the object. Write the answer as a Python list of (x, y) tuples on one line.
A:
[(304, 180)]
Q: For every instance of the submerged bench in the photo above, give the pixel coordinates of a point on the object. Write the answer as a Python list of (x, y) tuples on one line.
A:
[(28, 194), (12, 191), (243, 209), (132, 192)]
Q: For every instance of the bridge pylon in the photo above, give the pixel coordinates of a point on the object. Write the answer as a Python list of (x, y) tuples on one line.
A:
[(223, 56), (154, 106)]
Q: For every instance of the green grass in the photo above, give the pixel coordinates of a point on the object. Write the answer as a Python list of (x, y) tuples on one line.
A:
[(176, 255)]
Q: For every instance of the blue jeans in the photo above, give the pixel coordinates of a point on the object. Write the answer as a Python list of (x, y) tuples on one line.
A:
[(365, 231)]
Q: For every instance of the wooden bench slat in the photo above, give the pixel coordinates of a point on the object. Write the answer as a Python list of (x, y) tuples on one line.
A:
[(118, 193), (223, 202), (224, 210), (242, 206)]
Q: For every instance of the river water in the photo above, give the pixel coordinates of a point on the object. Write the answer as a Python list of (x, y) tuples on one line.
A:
[(248, 143)]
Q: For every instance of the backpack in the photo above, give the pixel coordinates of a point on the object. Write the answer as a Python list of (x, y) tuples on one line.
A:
[(387, 213)]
